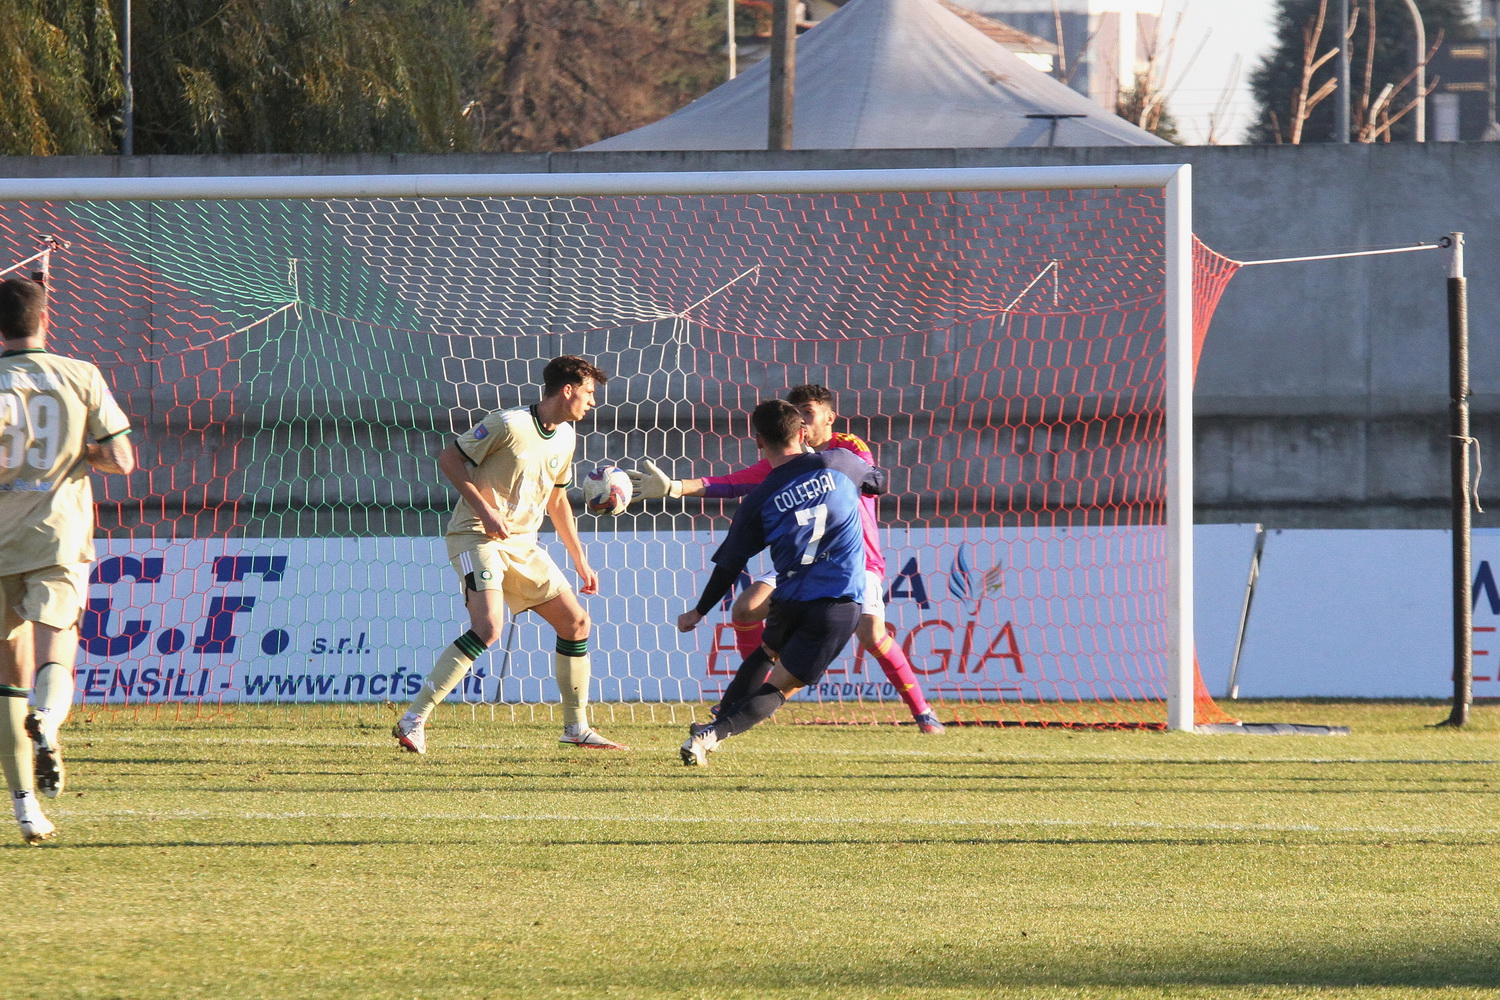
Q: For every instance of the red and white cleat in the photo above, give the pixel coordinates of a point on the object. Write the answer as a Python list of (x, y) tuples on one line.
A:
[(591, 740)]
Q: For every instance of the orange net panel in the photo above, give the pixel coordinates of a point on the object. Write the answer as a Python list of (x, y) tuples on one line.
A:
[(292, 368)]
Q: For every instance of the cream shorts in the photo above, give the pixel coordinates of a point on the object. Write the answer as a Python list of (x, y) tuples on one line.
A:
[(52, 595), (525, 575)]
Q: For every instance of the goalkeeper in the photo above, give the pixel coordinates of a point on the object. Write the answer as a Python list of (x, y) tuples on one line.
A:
[(817, 406)]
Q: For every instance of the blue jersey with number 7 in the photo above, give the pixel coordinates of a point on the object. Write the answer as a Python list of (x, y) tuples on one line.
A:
[(807, 512)]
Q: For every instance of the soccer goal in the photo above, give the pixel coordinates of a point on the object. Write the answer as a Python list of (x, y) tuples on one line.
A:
[(1015, 345)]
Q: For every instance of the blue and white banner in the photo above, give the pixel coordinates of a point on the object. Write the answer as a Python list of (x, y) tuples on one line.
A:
[(983, 614)]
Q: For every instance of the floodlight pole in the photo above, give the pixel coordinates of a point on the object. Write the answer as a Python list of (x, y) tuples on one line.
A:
[(127, 111), (1458, 445), (732, 45), (1420, 58), (783, 73), (1341, 96)]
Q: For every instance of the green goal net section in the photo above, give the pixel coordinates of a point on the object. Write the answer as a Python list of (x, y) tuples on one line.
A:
[(292, 366)]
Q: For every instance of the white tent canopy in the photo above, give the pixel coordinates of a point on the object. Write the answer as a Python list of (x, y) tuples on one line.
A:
[(894, 74)]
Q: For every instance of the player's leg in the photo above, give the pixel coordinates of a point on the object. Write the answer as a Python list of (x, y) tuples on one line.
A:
[(747, 615), (482, 573), (570, 663), (873, 637), (16, 754), (807, 635), (55, 651)]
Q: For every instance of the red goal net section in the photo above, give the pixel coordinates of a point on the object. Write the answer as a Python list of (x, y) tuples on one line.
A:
[(1015, 345)]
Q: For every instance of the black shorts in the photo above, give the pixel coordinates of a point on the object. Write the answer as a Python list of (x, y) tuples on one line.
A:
[(807, 635)]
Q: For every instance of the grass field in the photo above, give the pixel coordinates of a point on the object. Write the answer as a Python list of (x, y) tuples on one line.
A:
[(290, 855)]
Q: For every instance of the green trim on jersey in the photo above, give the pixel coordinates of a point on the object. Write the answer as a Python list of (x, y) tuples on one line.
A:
[(111, 437), (24, 350), (546, 434)]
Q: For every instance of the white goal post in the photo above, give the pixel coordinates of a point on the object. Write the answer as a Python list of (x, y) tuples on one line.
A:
[(951, 295)]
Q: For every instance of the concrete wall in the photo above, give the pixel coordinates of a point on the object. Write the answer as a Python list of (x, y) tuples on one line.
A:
[(1322, 394)]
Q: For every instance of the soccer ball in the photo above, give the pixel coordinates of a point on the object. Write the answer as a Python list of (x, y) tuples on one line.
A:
[(606, 490)]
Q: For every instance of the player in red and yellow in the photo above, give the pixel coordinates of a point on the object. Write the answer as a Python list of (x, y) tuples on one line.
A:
[(817, 407)]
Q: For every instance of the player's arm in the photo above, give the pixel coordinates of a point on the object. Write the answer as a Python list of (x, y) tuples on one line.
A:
[(560, 510), (116, 454), (746, 536), (455, 467), (651, 483), (111, 449)]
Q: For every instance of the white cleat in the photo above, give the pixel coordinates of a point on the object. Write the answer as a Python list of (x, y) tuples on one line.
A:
[(590, 740), (411, 734), (35, 827), (47, 758), (701, 741)]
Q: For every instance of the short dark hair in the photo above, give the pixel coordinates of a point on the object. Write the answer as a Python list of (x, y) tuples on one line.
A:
[(569, 370), (23, 303), (811, 393), (776, 422)]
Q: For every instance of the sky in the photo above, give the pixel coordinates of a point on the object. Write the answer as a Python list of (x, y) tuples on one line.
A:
[(1230, 37)]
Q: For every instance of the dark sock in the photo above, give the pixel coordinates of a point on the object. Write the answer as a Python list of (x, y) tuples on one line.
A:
[(750, 712), (750, 676)]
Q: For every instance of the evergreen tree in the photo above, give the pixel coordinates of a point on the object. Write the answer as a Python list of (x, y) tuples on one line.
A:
[(1276, 81)]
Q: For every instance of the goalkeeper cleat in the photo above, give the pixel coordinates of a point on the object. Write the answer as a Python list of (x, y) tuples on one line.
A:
[(47, 757), (928, 722), (35, 827), (589, 739), (411, 733), (701, 741)]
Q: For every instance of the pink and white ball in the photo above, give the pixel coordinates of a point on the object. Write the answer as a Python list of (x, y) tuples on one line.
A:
[(606, 490)]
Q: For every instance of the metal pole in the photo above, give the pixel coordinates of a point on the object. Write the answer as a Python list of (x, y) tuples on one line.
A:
[(1420, 59), (733, 48), (127, 112), (1239, 640), (783, 73), (1341, 101), (1459, 442), (1492, 130)]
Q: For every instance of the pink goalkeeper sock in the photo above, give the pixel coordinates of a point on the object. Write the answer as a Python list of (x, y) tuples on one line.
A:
[(892, 660)]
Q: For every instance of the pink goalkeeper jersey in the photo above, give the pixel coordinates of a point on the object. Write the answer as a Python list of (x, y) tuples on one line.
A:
[(737, 484)]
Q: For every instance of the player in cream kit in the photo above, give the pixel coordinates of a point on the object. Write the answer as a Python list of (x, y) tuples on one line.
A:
[(58, 420), (510, 470)]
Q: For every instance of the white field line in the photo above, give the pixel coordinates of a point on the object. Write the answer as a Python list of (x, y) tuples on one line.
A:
[(147, 815), (749, 751)]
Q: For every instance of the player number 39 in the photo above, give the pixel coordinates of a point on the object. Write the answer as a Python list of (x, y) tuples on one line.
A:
[(40, 430)]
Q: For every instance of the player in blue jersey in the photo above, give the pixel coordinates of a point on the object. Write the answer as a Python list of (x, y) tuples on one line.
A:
[(807, 512)]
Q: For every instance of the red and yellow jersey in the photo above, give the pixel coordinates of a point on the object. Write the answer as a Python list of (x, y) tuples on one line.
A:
[(737, 484)]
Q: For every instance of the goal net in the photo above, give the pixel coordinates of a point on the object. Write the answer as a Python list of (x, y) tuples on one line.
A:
[(1013, 345)]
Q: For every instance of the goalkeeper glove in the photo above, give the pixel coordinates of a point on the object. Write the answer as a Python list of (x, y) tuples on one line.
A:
[(653, 484)]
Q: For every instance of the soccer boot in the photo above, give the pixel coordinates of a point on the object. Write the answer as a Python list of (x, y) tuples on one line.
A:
[(35, 827), (702, 741), (411, 734), (589, 739), (928, 722), (47, 757)]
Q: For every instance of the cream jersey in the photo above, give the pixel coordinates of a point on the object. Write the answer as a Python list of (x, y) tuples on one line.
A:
[(50, 407), (517, 464)]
